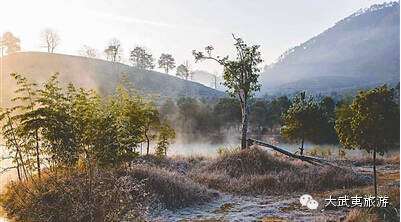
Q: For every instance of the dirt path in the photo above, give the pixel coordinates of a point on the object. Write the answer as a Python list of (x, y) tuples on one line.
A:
[(273, 208)]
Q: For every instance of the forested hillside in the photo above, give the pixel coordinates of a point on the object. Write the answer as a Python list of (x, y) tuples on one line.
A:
[(362, 50)]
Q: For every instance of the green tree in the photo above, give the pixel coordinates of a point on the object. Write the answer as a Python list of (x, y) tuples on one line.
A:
[(184, 71), (124, 113), (304, 120), (371, 123), (227, 112), (257, 117), (277, 107), (28, 127), (166, 136), (166, 62), (168, 110), (10, 42), (327, 105), (141, 59), (13, 143), (240, 76), (52, 118), (150, 118), (188, 109)]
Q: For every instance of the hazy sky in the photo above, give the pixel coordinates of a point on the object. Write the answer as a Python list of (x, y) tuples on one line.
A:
[(175, 26)]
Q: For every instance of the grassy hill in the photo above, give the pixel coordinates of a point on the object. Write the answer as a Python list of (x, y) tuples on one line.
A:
[(97, 74)]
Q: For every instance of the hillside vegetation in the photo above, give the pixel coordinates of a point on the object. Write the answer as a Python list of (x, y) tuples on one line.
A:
[(101, 75)]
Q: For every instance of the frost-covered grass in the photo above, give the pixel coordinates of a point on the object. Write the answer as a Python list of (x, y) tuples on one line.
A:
[(150, 182), (254, 171)]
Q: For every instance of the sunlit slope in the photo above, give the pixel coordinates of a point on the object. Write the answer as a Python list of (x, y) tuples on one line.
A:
[(360, 50), (97, 74)]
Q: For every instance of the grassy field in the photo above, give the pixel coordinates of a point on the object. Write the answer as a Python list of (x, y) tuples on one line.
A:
[(149, 185)]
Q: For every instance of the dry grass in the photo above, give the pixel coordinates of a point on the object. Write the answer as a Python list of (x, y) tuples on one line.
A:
[(67, 197), (178, 164), (171, 182), (368, 160), (361, 215), (121, 194), (171, 188), (248, 162), (390, 213), (254, 171)]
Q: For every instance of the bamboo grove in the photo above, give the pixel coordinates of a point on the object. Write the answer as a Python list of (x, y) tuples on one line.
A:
[(53, 128)]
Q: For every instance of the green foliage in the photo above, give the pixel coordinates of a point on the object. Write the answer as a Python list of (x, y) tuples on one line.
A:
[(305, 120), (329, 152), (214, 120), (59, 126), (184, 71), (258, 113), (314, 151), (166, 136), (141, 59), (277, 107), (221, 150), (370, 122), (341, 153), (10, 42), (113, 50), (168, 110), (20, 128), (267, 113), (167, 62), (240, 75), (322, 152)]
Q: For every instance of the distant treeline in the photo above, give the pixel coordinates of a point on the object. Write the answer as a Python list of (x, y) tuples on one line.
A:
[(213, 120)]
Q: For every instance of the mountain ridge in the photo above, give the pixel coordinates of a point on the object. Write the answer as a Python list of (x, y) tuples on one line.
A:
[(363, 45)]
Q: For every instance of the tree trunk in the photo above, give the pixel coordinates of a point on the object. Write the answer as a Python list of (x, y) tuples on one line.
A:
[(147, 143), (90, 194), (302, 145), (374, 171), (244, 129), (37, 152), (17, 162)]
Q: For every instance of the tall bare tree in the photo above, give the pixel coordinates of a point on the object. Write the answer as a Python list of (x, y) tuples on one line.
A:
[(88, 51), (51, 39), (214, 80), (114, 50), (184, 70)]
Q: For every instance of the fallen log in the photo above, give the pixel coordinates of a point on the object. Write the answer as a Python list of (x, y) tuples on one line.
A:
[(309, 159)]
